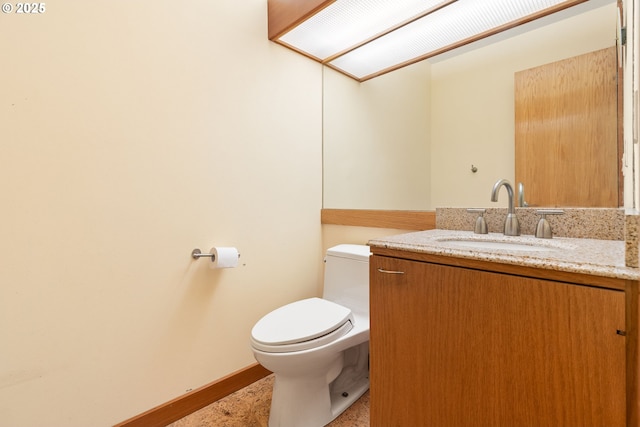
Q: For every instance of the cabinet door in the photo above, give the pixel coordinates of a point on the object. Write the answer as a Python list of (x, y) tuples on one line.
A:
[(461, 347)]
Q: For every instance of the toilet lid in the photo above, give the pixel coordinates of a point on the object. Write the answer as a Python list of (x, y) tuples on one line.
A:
[(301, 321)]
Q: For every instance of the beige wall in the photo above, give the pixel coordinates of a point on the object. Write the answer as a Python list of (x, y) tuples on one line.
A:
[(472, 104), (376, 140), (336, 234), (131, 133)]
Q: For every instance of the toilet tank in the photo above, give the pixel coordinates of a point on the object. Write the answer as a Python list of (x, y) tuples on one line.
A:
[(346, 277)]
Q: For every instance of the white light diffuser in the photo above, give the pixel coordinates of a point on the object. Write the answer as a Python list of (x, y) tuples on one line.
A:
[(366, 38), (459, 21), (348, 23)]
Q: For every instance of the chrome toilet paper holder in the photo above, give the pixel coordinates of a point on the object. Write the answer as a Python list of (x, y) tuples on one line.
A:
[(197, 253)]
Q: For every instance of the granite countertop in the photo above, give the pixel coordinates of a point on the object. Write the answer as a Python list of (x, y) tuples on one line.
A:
[(588, 256)]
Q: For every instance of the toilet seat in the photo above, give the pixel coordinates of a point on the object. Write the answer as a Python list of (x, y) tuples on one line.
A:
[(301, 325)]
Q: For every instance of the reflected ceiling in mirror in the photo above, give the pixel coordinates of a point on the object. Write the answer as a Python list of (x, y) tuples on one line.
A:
[(408, 139)]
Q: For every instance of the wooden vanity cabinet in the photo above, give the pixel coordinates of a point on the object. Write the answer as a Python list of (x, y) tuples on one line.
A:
[(458, 346)]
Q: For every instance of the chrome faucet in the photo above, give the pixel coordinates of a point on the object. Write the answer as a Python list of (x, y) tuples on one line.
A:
[(511, 224), (521, 201)]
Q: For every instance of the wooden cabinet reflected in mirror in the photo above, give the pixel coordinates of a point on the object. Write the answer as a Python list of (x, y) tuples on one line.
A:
[(566, 132)]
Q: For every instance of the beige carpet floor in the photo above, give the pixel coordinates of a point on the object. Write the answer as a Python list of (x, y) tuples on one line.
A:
[(249, 407)]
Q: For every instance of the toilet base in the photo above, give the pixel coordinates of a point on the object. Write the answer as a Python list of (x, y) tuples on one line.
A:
[(293, 412), (341, 400), (315, 401)]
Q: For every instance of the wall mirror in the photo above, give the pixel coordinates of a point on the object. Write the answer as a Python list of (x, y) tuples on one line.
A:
[(440, 133)]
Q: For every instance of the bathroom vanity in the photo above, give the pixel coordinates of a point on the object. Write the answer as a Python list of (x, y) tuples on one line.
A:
[(536, 332)]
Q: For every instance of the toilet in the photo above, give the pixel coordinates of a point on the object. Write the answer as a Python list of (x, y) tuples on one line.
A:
[(318, 348)]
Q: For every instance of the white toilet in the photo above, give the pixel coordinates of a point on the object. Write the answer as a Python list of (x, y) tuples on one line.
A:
[(318, 348)]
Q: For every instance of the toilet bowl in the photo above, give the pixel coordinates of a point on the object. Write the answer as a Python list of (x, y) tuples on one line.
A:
[(318, 348)]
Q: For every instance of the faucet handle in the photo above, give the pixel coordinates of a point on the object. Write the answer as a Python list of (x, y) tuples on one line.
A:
[(543, 229), (481, 224)]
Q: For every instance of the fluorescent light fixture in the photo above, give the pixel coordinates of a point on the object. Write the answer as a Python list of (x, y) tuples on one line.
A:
[(367, 38), (460, 21), (349, 23)]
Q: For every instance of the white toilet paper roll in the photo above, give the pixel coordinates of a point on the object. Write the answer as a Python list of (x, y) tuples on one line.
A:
[(225, 257)]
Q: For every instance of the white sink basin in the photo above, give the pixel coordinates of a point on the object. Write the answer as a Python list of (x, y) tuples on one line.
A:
[(493, 245)]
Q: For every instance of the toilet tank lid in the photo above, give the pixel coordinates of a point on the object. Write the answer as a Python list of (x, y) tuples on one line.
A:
[(359, 252)]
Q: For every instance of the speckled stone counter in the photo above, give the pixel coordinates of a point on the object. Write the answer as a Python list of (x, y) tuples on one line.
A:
[(587, 256), (632, 239), (582, 223)]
